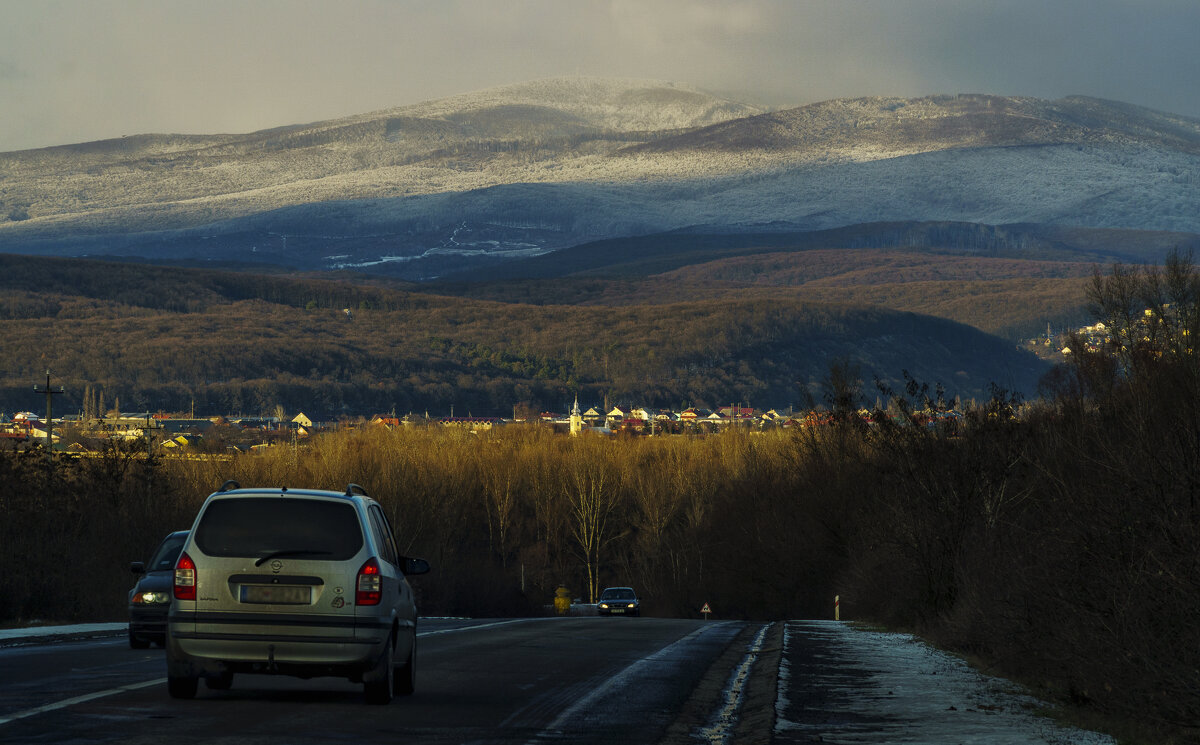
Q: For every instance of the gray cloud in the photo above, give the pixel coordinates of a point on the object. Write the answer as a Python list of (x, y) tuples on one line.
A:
[(79, 70), (11, 71)]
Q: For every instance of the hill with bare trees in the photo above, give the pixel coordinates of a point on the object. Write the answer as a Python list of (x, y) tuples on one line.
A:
[(162, 338)]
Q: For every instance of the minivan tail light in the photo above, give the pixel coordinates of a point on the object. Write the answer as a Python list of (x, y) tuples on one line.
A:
[(185, 578), (369, 589)]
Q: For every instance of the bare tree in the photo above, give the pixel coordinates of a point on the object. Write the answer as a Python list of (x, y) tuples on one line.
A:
[(591, 489)]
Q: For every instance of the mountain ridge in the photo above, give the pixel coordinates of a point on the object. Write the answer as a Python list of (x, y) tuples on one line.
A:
[(431, 188), (976, 121)]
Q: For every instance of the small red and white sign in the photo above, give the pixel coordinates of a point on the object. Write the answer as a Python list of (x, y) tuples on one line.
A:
[(706, 610)]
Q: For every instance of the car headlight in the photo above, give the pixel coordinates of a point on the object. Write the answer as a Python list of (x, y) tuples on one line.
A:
[(604, 605), (151, 598), (633, 605)]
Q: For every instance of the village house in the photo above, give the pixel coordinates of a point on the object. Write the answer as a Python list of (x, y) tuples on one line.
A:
[(471, 423), (184, 426), (615, 417), (179, 442), (736, 412), (258, 422)]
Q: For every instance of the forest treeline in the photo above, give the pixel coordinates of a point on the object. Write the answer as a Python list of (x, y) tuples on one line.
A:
[(160, 339), (1011, 298), (1054, 542)]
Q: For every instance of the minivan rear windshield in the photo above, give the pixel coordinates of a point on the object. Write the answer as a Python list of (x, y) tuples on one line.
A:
[(258, 526)]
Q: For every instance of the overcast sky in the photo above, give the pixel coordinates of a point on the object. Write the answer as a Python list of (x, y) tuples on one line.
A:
[(80, 70)]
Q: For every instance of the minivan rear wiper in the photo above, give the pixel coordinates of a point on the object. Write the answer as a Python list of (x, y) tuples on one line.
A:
[(290, 552)]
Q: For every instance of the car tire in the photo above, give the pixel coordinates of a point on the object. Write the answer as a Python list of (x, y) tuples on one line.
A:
[(136, 642), (405, 676), (182, 686), (222, 682), (381, 690)]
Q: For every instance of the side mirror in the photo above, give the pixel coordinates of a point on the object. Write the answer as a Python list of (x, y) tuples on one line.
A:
[(415, 566), (137, 568)]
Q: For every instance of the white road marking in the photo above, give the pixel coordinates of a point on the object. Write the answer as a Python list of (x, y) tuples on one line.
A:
[(476, 628), (79, 700)]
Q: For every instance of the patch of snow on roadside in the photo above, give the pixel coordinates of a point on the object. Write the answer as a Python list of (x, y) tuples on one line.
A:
[(910, 692)]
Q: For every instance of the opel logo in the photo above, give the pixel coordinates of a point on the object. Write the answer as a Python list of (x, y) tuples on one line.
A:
[(276, 566)]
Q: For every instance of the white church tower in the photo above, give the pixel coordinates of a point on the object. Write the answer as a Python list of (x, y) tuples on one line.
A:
[(576, 418)]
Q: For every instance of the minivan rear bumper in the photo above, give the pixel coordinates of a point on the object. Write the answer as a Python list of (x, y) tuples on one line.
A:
[(212, 643)]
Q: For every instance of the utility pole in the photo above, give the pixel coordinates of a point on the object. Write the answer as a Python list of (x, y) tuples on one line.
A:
[(50, 394)]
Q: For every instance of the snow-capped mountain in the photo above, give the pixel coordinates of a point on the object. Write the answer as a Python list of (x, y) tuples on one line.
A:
[(526, 169)]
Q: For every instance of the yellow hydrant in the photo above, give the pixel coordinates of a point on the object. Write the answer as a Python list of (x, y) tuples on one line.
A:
[(562, 600)]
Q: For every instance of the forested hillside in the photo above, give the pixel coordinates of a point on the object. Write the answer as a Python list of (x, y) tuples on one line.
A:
[(159, 339), (1006, 280)]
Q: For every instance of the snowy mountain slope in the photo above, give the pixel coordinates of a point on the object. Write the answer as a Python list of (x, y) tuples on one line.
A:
[(905, 126), (531, 168), (1135, 187), (1139, 188), (497, 136), (1110, 187), (623, 105)]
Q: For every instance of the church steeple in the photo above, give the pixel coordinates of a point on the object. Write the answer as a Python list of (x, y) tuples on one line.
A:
[(576, 418)]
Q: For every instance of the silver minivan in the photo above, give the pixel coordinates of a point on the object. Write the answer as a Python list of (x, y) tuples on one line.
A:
[(293, 582)]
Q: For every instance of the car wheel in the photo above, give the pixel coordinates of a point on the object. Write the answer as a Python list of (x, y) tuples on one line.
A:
[(382, 688), (405, 676), (221, 682), (136, 642), (182, 686)]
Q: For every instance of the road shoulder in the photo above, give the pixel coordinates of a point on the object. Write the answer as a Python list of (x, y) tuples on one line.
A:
[(756, 715)]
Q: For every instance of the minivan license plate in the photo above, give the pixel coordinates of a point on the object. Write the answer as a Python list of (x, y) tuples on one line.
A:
[(277, 594)]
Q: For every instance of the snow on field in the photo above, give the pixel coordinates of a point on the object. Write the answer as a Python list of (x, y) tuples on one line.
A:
[(838, 684)]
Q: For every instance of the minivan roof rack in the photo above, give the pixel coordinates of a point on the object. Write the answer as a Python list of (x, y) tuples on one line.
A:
[(230, 484), (352, 489)]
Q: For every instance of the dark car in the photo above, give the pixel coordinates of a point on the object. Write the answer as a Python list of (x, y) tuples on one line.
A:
[(618, 601), (151, 596)]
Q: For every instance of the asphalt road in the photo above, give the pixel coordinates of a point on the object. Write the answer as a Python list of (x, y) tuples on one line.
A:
[(578, 680), (581, 680)]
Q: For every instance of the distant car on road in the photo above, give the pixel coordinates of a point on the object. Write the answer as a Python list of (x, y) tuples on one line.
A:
[(292, 582), (618, 601), (151, 594)]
